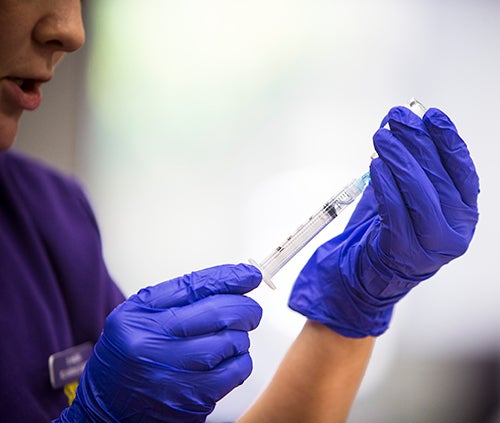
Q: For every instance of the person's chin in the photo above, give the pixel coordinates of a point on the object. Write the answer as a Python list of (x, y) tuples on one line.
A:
[(8, 132)]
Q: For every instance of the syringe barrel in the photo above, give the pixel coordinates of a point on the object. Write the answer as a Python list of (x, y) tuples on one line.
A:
[(295, 242), (307, 231)]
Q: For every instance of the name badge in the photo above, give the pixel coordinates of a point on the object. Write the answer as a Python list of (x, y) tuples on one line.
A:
[(67, 366)]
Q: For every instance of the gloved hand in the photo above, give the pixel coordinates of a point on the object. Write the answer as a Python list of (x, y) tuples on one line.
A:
[(418, 213), (171, 351)]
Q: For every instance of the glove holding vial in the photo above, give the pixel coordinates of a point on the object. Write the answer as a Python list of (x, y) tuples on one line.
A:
[(418, 213)]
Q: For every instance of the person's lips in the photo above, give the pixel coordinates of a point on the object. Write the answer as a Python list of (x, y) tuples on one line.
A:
[(25, 93)]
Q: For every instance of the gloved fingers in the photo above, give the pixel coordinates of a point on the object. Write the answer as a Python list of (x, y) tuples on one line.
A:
[(407, 198), (136, 331), (227, 375), (441, 167), (411, 131), (394, 216), (385, 120), (211, 314), (365, 210), (202, 353), (454, 155), (208, 387), (223, 279), (191, 354)]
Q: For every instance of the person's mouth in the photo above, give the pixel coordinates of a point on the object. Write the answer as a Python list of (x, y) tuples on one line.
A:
[(26, 92)]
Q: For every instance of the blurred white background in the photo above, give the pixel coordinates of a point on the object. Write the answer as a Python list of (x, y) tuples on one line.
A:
[(205, 132)]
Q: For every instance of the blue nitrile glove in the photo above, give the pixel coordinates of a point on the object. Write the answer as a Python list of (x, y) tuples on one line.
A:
[(171, 351), (418, 213)]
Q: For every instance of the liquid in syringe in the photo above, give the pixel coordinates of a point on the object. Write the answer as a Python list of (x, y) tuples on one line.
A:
[(284, 252)]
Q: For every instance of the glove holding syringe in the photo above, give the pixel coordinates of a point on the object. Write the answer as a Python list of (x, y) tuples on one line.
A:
[(282, 254)]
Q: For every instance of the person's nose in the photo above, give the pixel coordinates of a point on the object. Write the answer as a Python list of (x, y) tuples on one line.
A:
[(61, 28)]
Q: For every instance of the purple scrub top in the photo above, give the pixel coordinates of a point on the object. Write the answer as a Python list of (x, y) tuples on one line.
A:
[(55, 290)]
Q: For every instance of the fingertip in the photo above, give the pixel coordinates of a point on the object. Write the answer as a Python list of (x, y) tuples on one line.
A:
[(383, 141), (243, 365), (225, 279), (384, 121), (238, 278), (246, 315), (248, 366), (380, 135), (398, 112), (403, 115), (231, 373), (254, 274), (439, 119), (393, 111), (258, 312)]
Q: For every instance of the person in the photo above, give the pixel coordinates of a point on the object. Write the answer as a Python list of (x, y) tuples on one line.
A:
[(171, 351)]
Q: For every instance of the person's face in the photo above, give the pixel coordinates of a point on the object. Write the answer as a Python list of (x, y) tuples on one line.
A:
[(34, 36)]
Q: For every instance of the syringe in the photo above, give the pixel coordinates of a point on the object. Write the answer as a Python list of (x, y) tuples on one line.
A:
[(307, 231), (284, 252)]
